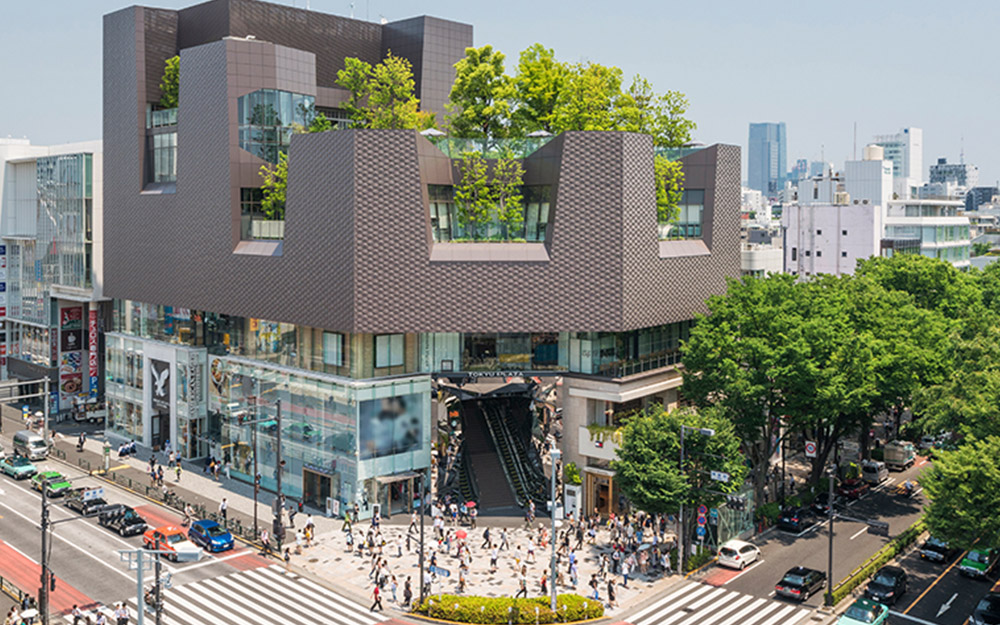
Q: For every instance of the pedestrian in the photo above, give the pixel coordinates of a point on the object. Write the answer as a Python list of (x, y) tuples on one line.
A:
[(188, 515), (494, 553), (291, 515), (171, 459), (399, 548), (224, 510), (177, 469), (522, 587), (215, 470), (503, 539), (392, 587), (612, 601), (76, 613), (121, 614), (299, 540), (543, 584), (288, 560), (376, 599), (593, 586), (265, 542), (486, 539), (625, 572), (407, 592)]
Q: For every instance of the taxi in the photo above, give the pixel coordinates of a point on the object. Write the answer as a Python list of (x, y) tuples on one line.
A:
[(55, 483), (171, 538)]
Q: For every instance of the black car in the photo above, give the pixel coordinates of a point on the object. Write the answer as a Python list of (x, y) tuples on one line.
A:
[(887, 585), (795, 519), (800, 582), (821, 505), (122, 519), (936, 550), (75, 501), (987, 611)]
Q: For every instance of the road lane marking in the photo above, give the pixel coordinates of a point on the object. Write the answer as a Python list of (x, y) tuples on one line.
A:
[(946, 605), (912, 618), (131, 578), (859, 532), (746, 570), (934, 583), (213, 559)]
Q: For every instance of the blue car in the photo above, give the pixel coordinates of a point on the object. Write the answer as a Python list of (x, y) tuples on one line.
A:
[(211, 536)]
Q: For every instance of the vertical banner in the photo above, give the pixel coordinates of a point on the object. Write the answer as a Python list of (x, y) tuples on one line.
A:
[(3, 282), (92, 353), (159, 374)]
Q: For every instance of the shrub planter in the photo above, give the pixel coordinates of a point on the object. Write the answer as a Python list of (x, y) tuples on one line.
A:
[(503, 610)]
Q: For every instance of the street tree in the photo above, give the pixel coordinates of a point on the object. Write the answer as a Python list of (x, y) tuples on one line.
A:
[(472, 194), (505, 195), (381, 95), (933, 283), (481, 97), (648, 467), (737, 359), (640, 109), (274, 186), (963, 487), (669, 177), (538, 82)]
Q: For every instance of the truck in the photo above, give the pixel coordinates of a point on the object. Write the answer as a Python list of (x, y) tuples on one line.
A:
[(899, 455)]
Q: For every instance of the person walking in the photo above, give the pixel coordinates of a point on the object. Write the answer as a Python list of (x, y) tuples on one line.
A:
[(503, 539), (188, 515), (612, 600), (543, 584), (407, 592), (265, 542), (486, 539), (177, 469), (376, 599), (625, 571), (522, 586), (288, 560), (224, 511), (121, 615)]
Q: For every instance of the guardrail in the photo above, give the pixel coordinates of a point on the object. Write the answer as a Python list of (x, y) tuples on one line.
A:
[(13, 591)]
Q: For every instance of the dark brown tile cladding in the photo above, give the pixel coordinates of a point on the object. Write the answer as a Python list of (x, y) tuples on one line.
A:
[(160, 38)]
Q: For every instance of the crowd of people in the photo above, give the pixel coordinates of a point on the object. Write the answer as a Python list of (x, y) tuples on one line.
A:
[(617, 548)]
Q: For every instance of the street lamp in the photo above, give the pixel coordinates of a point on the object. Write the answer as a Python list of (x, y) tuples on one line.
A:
[(555, 454), (680, 537), (830, 472)]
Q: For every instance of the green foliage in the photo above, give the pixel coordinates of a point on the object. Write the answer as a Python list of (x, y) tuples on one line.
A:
[(587, 99), (981, 249), (274, 186), (571, 474), (933, 284), (648, 465), (702, 557), (481, 99), (881, 557), (964, 491), (639, 109), (501, 610), (170, 82), (538, 83), (769, 512), (382, 96), (472, 194), (669, 176), (505, 195), (319, 123)]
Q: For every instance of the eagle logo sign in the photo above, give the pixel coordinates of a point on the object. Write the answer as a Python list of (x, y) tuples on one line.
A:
[(160, 379)]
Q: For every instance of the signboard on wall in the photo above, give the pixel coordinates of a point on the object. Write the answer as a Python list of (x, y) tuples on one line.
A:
[(159, 378), (3, 282), (92, 354), (71, 318)]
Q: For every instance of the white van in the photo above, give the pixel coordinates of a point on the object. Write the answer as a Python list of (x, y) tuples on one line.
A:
[(874, 472), (30, 445)]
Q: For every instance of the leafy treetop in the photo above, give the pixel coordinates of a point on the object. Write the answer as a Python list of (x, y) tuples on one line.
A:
[(170, 83), (382, 96)]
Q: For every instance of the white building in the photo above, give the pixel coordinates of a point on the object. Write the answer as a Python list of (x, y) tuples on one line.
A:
[(961, 174), (869, 181), (936, 224), (761, 251), (830, 238), (906, 151)]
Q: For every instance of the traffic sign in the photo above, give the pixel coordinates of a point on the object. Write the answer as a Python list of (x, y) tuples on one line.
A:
[(810, 449), (702, 510), (702, 531), (719, 476), (439, 571), (702, 521)]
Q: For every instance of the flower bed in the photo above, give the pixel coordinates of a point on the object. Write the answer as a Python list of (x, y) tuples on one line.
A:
[(502, 610)]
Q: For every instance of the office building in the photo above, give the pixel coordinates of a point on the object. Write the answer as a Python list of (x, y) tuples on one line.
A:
[(51, 264), (961, 174), (766, 158), (906, 151), (977, 196), (363, 315)]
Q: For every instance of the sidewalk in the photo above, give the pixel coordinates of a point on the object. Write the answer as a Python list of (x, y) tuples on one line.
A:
[(327, 559)]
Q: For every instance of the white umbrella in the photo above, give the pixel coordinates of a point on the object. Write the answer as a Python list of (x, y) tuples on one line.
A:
[(540, 133), (432, 132)]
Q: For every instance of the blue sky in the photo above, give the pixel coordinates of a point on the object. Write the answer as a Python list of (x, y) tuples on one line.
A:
[(819, 67)]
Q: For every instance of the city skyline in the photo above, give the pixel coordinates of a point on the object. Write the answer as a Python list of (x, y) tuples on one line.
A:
[(759, 54)]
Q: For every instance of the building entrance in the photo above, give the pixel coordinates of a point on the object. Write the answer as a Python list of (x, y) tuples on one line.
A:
[(317, 487), (160, 430), (602, 494), (395, 493)]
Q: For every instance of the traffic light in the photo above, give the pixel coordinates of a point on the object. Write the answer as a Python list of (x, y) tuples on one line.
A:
[(52, 582), (736, 502)]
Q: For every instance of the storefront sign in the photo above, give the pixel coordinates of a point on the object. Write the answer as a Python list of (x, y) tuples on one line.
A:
[(54, 346), (316, 468), (92, 354), (194, 383), (159, 378), (72, 340), (71, 318)]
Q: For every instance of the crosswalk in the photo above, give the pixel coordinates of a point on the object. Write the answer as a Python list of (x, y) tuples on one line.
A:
[(700, 604), (262, 596)]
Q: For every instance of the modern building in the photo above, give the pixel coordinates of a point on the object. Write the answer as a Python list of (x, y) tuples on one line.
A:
[(761, 252), (977, 196), (766, 157), (962, 174), (362, 316), (942, 231), (51, 267), (800, 171), (906, 151), (869, 181)]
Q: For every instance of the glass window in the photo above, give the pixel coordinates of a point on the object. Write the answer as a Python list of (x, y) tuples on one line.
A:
[(688, 222), (267, 120), (333, 348), (388, 350), (445, 225)]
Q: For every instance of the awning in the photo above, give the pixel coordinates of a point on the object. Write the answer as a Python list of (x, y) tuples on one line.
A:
[(398, 477)]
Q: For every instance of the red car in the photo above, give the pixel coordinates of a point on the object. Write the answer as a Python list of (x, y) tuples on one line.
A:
[(171, 538), (853, 488)]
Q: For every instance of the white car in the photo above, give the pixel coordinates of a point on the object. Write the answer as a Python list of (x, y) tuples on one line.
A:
[(737, 554)]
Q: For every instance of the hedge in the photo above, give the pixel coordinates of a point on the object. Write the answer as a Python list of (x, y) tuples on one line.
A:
[(861, 574), (503, 610)]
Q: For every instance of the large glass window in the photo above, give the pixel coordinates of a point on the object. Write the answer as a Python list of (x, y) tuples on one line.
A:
[(445, 225), (163, 149), (333, 349), (389, 350), (269, 117), (688, 222)]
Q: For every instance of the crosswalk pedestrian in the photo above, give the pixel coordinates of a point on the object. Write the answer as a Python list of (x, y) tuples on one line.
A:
[(692, 603), (262, 596)]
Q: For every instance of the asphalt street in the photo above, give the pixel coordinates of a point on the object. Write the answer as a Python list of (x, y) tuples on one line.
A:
[(85, 557)]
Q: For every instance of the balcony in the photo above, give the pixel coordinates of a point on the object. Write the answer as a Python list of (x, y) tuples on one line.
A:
[(600, 445)]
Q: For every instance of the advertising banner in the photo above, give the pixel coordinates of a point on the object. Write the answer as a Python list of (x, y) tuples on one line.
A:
[(72, 340), (92, 354), (159, 377), (71, 318)]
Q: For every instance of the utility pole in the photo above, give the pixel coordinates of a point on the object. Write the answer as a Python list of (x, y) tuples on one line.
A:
[(253, 435), (43, 594), (278, 525), (555, 455), (423, 476), (831, 472), (156, 585)]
